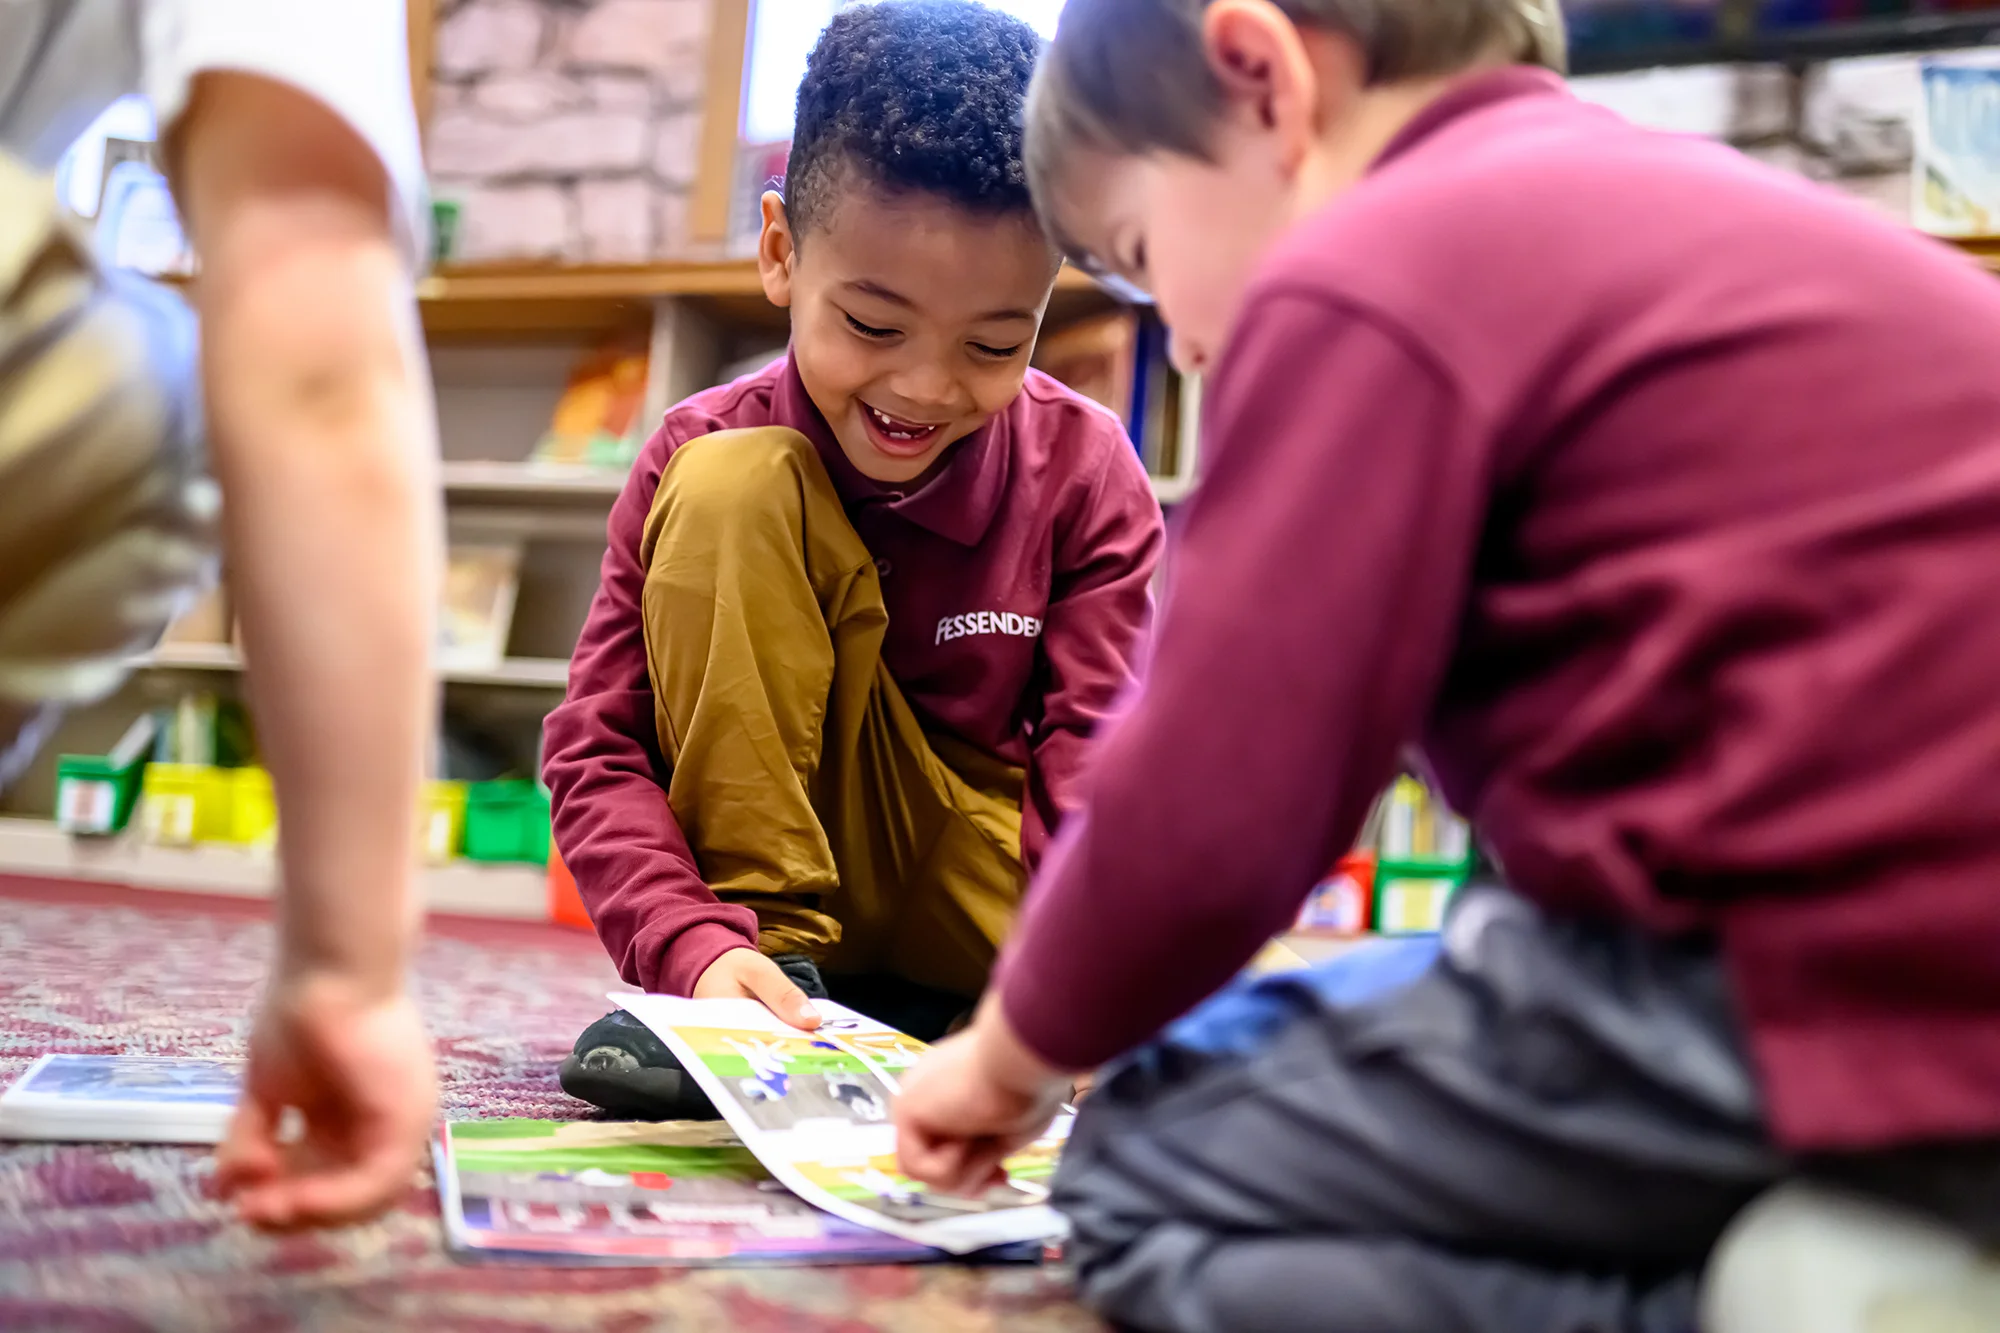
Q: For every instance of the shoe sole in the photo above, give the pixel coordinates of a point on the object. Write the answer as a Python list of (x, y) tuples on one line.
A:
[(638, 1094)]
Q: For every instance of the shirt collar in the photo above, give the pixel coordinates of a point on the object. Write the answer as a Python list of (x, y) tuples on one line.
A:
[(1470, 94), (960, 499)]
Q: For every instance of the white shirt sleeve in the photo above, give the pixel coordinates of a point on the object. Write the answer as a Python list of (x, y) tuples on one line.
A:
[(350, 55)]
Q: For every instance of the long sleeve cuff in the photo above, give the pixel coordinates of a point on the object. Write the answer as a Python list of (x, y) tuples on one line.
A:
[(691, 953)]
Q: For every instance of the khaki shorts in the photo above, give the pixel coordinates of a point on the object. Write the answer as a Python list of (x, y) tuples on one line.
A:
[(107, 518)]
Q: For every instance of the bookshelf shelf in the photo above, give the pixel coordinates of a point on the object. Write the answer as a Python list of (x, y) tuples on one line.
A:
[(1986, 249), (540, 482), (540, 673), (532, 483), (484, 304), (36, 847), (1879, 36)]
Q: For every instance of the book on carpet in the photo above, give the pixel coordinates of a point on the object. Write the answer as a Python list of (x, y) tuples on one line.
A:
[(678, 1193), (121, 1099), (814, 1107)]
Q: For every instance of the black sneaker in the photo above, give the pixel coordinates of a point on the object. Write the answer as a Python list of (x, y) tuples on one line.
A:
[(922, 1012), (621, 1066), (618, 1065)]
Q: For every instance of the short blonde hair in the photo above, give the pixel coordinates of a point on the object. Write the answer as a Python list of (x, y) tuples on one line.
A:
[(1130, 77)]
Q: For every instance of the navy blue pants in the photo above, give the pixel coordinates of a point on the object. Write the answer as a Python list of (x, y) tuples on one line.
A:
[(1518, 1127)]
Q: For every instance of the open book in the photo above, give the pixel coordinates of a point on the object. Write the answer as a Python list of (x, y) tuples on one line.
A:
[(814, 1108), (680, 1193)]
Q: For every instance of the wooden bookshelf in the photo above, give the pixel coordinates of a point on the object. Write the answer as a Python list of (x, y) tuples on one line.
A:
[(489, 303), (1986, 249), (36, 847), (536, 673), (550, 483)]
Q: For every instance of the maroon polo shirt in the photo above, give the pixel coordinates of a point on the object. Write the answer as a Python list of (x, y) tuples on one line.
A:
[(1016, 580), (1658, 495)]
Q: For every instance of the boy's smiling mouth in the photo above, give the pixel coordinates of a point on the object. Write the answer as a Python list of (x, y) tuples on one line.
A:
[(893, 435)]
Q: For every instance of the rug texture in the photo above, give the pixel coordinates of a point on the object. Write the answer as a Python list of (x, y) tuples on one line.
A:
[(111, 1239)]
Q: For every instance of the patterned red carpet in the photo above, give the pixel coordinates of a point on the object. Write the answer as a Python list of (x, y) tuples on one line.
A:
[(115, 1239)]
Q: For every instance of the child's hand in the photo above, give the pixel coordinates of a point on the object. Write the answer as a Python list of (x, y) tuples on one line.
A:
[(969, 1104), (745, 974), (357, 1066)]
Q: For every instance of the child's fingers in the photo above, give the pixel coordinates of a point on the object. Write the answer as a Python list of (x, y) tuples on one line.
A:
[(927, 1157), (331, 1197), (982, 1168), (770, 985), (249, 1155), (264, 1207), (952, 1164), (330, 1194)]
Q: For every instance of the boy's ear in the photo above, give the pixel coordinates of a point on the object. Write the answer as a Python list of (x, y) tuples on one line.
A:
[(1261, 60), (775, 248)]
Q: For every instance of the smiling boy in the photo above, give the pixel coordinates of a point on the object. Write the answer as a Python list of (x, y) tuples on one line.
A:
[(1656, 496), (860, 611)]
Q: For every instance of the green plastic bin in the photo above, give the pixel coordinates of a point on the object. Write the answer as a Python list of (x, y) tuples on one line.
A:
[(1411, 896), (507, 821), (96, 794)]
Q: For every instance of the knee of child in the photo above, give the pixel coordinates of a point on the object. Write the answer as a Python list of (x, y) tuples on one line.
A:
[(734, 472), (119, 378), (1104, 1212), (1140, 1272), (124, 530)]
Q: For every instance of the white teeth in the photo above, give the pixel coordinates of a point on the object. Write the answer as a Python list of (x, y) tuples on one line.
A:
[(888, 426)]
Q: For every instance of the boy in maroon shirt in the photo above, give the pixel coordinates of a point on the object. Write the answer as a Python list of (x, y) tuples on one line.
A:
[(1657, 496), (861, 610)]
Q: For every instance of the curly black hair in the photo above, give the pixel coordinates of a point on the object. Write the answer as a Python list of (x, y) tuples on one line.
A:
[(917, 95)]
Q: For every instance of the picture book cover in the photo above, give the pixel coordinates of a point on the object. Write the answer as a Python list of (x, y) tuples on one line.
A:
[(597, 420), (1956, 171), (679, 1193), (126, 1098), (815, 1109), (476, 605)]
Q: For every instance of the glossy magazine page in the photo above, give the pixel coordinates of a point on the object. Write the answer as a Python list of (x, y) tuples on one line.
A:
[(814, 1108)]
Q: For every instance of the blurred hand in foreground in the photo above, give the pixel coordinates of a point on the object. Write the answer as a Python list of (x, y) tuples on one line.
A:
[(358, 1069)]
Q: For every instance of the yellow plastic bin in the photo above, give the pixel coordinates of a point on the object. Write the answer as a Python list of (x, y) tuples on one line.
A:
[(182, 804), (253, 810), (441, 822)]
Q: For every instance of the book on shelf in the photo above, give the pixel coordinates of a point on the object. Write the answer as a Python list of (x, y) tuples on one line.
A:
[(596, 422), (759, 167), (476, 611), (1956, 172), (1095, 357), (1120, 360), (207, 619)]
